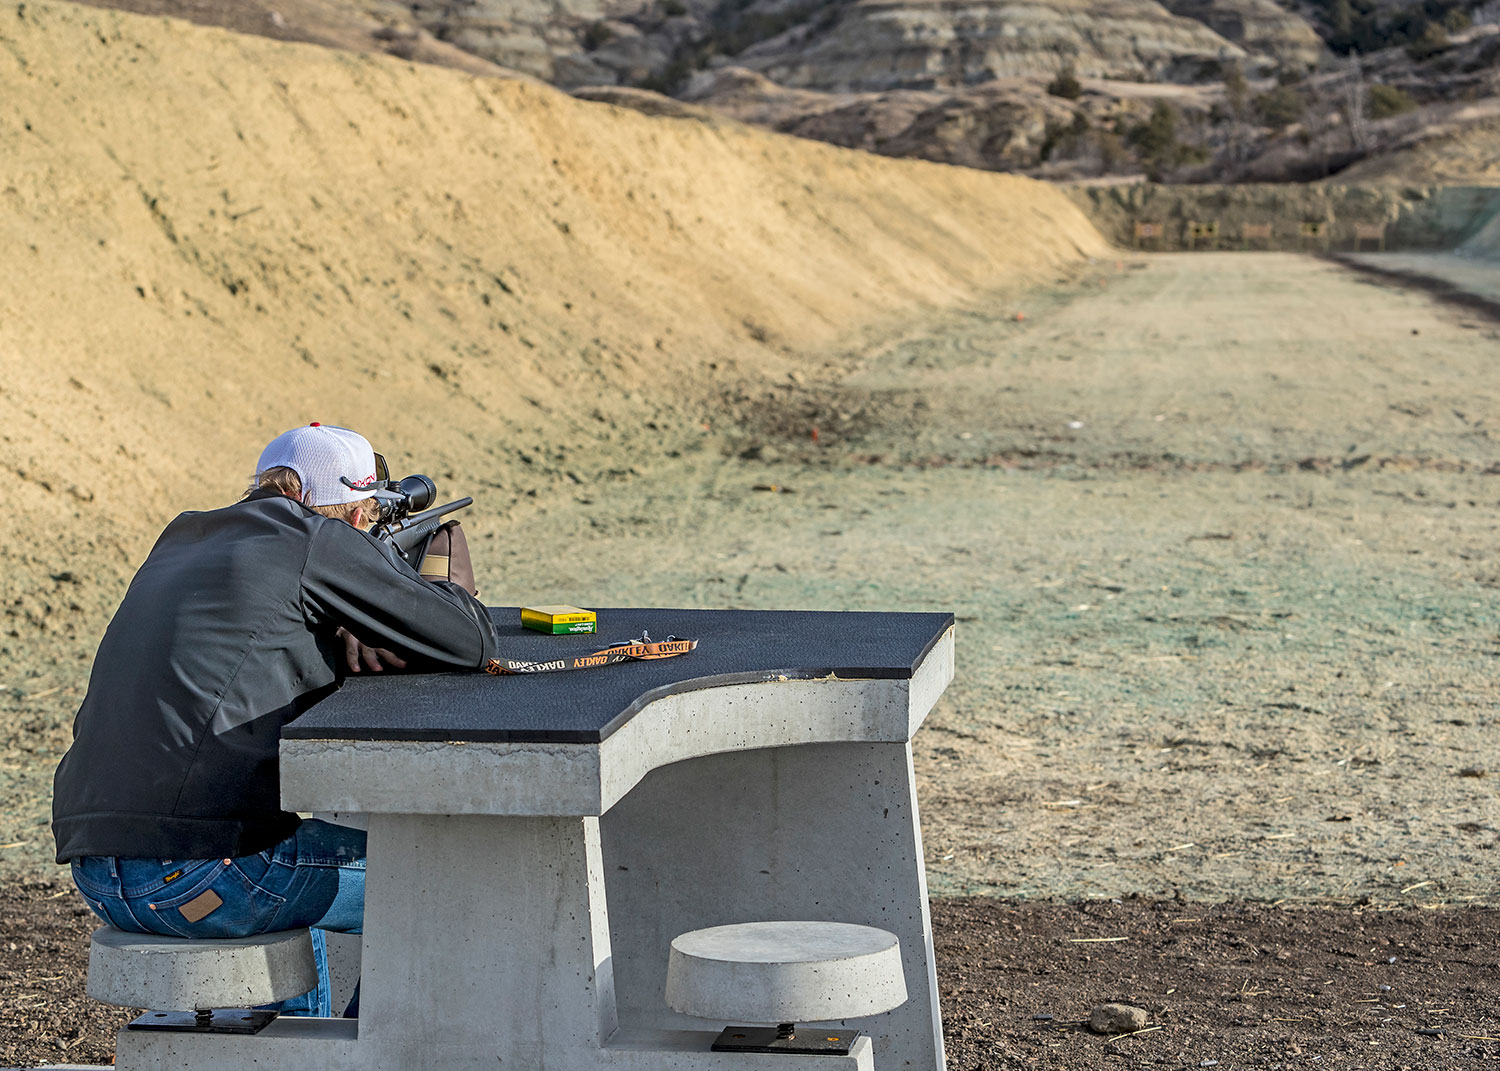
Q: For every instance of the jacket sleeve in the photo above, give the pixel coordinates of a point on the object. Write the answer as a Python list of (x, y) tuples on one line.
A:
[(353, 580)]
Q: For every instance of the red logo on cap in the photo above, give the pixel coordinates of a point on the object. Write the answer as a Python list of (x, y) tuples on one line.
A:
[(315, 424)]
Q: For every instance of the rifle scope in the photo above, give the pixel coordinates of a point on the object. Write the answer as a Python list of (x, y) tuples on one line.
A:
[(417, 492)]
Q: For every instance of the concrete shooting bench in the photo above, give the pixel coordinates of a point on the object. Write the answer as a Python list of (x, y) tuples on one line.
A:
[(554, 857)]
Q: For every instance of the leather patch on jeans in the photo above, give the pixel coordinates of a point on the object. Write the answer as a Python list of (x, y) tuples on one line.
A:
[(201, 906)]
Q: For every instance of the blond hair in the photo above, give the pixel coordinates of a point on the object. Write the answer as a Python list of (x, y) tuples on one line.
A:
[(285, 481)]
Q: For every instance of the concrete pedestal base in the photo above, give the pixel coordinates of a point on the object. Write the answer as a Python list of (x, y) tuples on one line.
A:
[(771, 835), (541, 944), (331, 1043)]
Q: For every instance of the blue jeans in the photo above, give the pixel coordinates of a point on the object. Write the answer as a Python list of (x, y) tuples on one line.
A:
[(316, 878)]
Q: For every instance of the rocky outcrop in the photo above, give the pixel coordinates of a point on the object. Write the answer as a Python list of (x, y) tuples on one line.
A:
[(537, 37), (861, 46), (878, 45), (1269, 34), (1000, 125), (993, 128), (846, 46)]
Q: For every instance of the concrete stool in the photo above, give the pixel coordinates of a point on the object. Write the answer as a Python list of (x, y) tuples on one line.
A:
[(783, 973), (204, 984)]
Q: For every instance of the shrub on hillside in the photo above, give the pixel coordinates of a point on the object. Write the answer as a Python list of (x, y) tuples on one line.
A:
[(738, 24), (1236, 90), (596, 35), (1066, 84), (1158, 144), (1113, 155), (1279, 108), (1371, 25), (1386, 101), (670, 78), (1069, 140), (1432, 40)]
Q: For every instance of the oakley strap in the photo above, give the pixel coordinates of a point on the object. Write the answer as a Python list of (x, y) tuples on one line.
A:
[(644, 649)]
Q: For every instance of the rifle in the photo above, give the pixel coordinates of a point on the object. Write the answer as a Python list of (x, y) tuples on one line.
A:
[(407, 518)]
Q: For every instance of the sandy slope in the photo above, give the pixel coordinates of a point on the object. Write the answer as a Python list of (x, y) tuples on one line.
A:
[(208, 238)]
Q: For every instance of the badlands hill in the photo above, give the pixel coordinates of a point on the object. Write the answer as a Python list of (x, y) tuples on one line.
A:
[(211, 237), (861, 45), (1390, 91)]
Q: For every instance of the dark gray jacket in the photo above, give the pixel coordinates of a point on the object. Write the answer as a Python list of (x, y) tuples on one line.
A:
[(226, 634)]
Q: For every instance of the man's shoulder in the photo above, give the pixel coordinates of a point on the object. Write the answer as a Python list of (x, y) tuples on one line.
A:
[(264, 498), (249, 516)]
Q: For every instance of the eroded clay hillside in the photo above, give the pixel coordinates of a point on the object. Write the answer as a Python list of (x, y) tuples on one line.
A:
[(208, 238), (1189, 91), (861, 45)]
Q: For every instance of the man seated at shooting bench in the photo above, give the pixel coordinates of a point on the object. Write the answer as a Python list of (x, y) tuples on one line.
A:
[(167, 804)]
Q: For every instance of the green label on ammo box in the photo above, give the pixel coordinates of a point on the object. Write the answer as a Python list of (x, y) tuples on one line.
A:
[(562, 627)]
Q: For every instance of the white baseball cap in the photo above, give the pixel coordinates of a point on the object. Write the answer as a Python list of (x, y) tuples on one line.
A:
[(335, 465)]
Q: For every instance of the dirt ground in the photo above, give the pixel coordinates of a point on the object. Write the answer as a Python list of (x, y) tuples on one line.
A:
[(1228, 985), (1219, 530)]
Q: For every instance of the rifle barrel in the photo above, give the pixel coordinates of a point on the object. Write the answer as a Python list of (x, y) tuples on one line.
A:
[(433, 513), (412, 530)]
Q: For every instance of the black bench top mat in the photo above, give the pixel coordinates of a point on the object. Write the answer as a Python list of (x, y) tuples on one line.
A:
[(586, 706)]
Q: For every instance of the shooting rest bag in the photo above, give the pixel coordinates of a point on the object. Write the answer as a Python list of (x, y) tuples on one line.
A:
[(446, 557)]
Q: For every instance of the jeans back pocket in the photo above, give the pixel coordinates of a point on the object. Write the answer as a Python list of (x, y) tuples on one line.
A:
[(225, 903)]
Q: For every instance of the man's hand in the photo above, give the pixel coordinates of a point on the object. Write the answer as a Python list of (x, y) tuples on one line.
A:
[(375, 659)]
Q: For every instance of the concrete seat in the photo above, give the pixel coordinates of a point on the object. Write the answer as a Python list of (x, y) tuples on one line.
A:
[(785, 972), (137, 970)]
